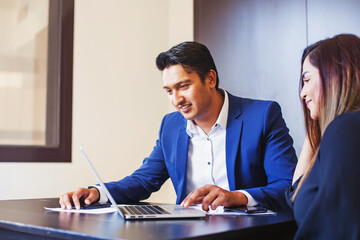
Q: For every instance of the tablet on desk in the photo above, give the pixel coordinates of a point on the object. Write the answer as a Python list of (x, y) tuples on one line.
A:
[(246, 209)]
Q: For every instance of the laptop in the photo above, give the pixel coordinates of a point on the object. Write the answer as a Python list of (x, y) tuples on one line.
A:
[(137, 212)]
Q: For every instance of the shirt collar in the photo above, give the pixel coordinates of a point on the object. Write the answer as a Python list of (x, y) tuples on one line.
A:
[(192, 128)]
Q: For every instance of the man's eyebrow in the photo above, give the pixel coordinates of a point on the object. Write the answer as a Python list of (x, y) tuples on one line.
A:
[(178, 83)]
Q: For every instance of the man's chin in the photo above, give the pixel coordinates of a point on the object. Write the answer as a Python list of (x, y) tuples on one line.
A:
[(188, 116)]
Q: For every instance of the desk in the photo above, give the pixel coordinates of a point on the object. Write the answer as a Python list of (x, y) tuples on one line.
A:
[(27, 219)]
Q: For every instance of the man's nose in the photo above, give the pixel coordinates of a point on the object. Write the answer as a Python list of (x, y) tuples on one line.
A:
[(177, 98)]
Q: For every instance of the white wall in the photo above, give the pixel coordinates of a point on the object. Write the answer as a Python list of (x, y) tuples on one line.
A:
[(118, 100)]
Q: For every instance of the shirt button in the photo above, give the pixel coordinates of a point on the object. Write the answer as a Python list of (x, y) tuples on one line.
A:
[(208, 163), (215, 125), (208, 139)]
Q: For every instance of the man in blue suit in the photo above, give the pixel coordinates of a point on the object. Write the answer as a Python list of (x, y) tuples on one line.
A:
[(217, 149)]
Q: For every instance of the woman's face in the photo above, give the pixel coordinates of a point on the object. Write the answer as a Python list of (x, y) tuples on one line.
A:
[(311, 90)]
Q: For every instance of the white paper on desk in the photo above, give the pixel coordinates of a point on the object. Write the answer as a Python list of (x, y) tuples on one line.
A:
[(220, 211), (88, 211)]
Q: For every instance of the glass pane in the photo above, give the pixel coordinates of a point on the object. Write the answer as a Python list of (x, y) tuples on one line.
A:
[(23, 71)]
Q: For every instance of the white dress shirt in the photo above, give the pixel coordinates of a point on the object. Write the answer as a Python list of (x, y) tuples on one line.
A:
[(207, 156)]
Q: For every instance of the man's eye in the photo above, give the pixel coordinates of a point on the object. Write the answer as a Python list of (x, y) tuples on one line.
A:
[(184, 86), (168, 91)]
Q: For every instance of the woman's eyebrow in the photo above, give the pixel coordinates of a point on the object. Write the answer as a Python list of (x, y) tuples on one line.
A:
[(303, 75)]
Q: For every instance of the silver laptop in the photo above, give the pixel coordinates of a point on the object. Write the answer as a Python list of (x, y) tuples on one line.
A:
[(146, 211)]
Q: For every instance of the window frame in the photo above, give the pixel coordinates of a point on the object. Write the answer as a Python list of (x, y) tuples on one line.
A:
[(60, 72)]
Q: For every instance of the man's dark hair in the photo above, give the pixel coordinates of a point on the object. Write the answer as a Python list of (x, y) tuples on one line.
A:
[(192, 56)]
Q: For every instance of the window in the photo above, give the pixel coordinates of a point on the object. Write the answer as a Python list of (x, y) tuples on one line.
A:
[(36, 59)]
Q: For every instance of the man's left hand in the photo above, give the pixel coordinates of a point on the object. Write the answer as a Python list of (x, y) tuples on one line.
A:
[(214, 196)]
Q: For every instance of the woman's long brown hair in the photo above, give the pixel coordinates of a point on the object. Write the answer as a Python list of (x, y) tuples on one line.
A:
[(338, 61)]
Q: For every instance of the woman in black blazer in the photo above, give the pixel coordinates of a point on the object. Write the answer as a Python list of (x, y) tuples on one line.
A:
[(325, 194)]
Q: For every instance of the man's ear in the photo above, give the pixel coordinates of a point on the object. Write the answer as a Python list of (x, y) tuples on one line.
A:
[(211, 78)]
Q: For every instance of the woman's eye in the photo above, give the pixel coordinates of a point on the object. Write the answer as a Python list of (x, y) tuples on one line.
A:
[(306, 80)]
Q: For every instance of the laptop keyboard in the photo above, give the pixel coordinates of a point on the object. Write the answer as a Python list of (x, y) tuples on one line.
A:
[(144, 210)]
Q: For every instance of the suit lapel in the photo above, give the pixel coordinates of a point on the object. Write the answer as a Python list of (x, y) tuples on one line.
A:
[(233, 135), (182, 146)]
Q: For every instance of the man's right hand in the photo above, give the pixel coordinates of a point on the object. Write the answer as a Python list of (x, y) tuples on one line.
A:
[(89, 196)]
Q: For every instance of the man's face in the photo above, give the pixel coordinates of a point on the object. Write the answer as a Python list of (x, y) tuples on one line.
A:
[(187, 93)]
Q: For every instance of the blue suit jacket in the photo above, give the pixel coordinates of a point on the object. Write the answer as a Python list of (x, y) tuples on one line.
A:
[(259, 156)]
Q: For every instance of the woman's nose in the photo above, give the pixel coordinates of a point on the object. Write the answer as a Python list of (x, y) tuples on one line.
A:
[(303, 93)]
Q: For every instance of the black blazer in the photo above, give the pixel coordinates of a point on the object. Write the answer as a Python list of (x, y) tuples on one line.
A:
[(328, 204)]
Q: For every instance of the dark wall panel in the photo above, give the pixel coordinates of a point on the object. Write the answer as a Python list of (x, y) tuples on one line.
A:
[(257, 46)]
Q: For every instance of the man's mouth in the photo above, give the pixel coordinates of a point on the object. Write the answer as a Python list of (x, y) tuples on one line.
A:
[(184, 108)]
